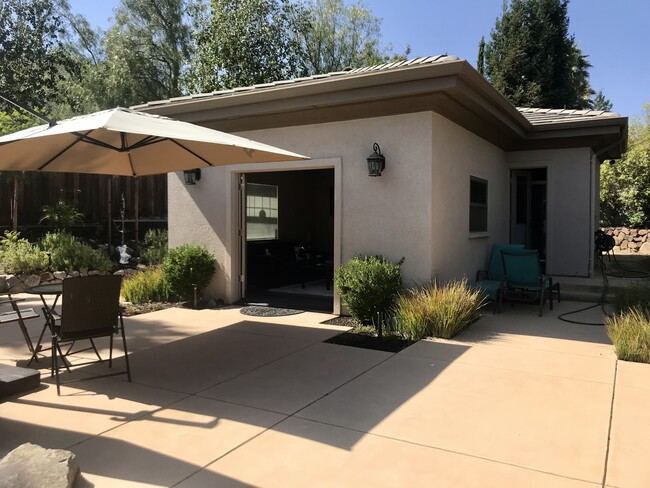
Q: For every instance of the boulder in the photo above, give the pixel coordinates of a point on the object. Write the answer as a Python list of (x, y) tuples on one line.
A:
[(32, 280), (624, 244), (618, 239), (30, 465), (47, 276), (3, 284), (74, 274), (60, 275), (633, 246), (645, 248), (93, 272), (141, 267), (643, 232), (11, 281), (119, 272), (129, 272)]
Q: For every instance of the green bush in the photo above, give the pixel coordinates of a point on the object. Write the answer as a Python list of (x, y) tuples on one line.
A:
[(368, 285), (634, 296), (145, 287), (70, 254), (630, 334), (18, 256), (155, 246), (61, 215), (186, 266), (436, 310)]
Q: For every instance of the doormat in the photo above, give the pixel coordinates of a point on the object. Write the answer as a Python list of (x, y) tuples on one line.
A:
[(257, 311)]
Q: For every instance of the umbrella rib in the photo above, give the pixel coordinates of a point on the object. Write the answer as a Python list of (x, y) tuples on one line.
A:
[(58, 154), (191, 152), (93, 141), (147, 141)]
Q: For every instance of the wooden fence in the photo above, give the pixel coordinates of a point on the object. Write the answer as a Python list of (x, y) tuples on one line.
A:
[(98, 197)]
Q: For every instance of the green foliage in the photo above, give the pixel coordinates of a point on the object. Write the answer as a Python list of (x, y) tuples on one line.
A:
[(145, 287), (67, 253), (636, 296), (630, 334), (436, 310), (533, 60), (601, 102), (61, 215), (186, 266), (368, 285), (155, 246), (18, 256), (625, 185), (339, 35), (245, 42), (33, 53)]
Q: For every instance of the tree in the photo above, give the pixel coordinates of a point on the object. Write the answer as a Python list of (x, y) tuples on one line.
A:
[(145, 52), (480, 62), (600, 102), (34, 57), (339, 36), (245, 42), (533, 60), (625, 184)]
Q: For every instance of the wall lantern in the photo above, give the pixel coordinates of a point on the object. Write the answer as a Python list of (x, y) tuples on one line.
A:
[(376, 161), (192, 176)]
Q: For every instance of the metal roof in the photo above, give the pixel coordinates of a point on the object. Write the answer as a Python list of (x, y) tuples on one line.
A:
[(443, 58), (548, 116)]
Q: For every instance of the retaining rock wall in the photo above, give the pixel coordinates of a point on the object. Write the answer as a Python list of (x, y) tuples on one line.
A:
[(630, 240)]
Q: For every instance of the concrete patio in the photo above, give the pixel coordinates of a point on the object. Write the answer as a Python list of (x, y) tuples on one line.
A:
[(221, 399)]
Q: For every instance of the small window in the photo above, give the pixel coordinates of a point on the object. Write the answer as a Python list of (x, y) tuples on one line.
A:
[(261, 212), (478, 199)]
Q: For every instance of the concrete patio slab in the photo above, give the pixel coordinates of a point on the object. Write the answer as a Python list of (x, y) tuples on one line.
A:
[(167, 445), (83, 410), (316, 455), (291, 383), (630, 436), (533, 420)]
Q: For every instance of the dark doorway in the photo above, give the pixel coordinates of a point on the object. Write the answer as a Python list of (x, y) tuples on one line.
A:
[(528, 209), (289, 246)]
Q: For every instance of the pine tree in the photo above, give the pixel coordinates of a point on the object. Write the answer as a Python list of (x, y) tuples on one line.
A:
[(533, 60)]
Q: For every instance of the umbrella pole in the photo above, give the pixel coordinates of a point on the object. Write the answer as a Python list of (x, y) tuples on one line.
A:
[(137, 215), (110, 215)]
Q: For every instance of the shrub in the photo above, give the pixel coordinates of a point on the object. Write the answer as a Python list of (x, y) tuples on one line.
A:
[(436, 310), (70, 254), (156, 244), (61, 215), (21, 257), (368, 285), (634, 296), (630, 334), (186, 266), (145, 287)]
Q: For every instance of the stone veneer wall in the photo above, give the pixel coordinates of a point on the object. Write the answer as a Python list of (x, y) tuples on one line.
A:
[(630, 240)]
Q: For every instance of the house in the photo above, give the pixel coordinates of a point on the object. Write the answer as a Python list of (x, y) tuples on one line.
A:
[(463, 169)]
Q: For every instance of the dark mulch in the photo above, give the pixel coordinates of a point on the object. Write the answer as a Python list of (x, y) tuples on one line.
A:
[(259, 311), (365, 337)]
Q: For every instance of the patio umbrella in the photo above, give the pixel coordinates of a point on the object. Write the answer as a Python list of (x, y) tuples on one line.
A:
[(125, 142)]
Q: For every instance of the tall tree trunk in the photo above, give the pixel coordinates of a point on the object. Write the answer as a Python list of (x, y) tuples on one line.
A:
[(14, 205)]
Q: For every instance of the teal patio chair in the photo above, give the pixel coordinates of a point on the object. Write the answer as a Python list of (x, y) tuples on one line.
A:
[(524, 278), (491, 281)]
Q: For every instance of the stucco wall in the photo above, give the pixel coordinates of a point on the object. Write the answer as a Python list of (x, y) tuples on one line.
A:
[(389, 215), (457, 155), (570, 197)]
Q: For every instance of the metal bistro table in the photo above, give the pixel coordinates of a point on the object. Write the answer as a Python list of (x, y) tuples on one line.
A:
[(49, 290)]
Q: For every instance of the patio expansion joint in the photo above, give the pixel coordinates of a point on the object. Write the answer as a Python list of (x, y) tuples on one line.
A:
[(609, 429)]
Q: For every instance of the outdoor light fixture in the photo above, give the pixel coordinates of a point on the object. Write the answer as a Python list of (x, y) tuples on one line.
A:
[(192, 176), (376, 161)]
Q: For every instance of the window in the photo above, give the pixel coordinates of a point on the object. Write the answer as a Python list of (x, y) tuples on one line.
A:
[(478, 211), (261, 212)]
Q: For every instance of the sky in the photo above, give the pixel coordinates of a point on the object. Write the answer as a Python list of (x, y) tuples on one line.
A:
[(613, 34)]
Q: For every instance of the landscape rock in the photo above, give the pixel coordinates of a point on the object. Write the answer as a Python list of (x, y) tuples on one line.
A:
[(645, 248), (12, 281), (32, 280), (93, 272), (119, 272), (32, 466), (141, 267), (60, 275), (3, 284), (74, 274), (624, 245), (47, 276), (130, 272)]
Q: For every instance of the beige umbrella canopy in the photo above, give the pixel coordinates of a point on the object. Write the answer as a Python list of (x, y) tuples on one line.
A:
[(129, 143)]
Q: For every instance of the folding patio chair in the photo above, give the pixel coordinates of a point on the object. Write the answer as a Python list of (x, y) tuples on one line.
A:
[(18, 315), (491, 281), (90, 309), (524, 278)]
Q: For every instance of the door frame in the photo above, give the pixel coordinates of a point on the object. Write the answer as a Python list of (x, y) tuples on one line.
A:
[(235, 259)]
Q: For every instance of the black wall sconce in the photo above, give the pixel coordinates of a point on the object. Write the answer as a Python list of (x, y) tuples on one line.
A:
[(376, 161), (192, 176)]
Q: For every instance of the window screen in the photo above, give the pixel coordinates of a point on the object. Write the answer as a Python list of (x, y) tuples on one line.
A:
[(478, 211)]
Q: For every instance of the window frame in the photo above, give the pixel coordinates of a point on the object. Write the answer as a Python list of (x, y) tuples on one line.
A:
[(473, 204)]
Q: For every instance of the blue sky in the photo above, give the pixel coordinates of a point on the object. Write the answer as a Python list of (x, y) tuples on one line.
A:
[(614, 34)]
